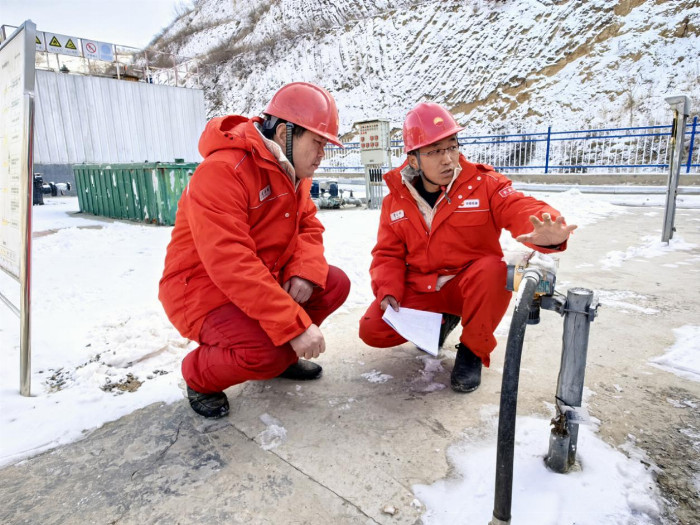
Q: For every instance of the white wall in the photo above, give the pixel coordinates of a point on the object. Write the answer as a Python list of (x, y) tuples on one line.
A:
[(100, 120)]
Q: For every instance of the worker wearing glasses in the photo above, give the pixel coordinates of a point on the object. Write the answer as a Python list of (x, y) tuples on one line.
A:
[(438, 243)]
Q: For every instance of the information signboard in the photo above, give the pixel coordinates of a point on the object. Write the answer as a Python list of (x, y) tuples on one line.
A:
[(12, 150), (17, 76)]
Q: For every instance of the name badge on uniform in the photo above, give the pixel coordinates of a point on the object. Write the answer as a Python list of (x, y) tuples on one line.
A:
[(469, 203), (397, 215), (265, 193)]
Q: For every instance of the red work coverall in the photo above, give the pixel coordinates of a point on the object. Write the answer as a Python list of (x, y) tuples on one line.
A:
[(462, 241), (242, 229)]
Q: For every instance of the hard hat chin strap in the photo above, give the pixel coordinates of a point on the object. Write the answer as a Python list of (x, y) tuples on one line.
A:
[(421, 172), (290, 130)]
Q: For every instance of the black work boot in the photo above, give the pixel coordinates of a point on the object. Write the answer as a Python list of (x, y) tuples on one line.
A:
[(302, 370), (466, 374), (212, 406), (449, 322)]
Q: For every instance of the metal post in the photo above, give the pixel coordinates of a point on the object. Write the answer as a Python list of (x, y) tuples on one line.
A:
[(368, 186), (577, 321), (546, 160), (681, 108), (25, 275), (26, 228), (692, 143), (148, 69), (175, 69)]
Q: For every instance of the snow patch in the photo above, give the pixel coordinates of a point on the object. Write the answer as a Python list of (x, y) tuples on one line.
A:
[(683, 357), (424, 382), (651, 247), (375, 376), (541, 497), (274, 435), (620, 299)]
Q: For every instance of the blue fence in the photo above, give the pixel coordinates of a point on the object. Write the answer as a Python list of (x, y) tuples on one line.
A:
[(644, 149)]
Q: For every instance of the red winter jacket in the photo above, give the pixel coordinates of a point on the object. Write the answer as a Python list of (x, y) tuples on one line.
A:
[(466, 225), (241, 230)]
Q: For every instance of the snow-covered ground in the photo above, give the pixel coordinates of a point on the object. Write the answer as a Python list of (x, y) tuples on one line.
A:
[(622, 489), (102, 348)]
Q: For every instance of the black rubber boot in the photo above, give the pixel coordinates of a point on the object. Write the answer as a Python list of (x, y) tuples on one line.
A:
[(449, 323), (466, 374), (212, 406), (302, 370)]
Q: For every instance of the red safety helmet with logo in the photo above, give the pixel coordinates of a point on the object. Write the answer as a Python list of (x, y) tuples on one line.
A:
[(427, 123), (308, 106)]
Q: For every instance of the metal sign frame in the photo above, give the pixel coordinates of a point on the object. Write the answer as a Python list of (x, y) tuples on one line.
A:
[(23, 42)]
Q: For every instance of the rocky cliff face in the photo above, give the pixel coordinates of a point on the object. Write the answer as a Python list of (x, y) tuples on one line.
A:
[(497, 64)]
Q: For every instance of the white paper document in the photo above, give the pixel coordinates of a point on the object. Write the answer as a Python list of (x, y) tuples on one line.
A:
[(419, 327)]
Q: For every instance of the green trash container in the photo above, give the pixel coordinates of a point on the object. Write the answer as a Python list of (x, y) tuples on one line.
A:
[(146, 192)]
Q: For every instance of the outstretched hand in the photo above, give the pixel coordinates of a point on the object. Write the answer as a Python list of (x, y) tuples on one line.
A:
[(547, 232)]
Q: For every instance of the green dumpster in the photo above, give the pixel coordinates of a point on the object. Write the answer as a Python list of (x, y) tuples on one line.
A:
[(140, 192)]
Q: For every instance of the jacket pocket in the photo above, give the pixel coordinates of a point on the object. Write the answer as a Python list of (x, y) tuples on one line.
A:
[(468, 218), (422, 282)]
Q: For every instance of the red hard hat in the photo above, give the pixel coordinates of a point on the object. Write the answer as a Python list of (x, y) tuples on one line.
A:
[(308, 106), (427, 123)]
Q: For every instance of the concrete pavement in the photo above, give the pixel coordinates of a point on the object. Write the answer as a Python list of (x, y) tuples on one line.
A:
[(352, 446)]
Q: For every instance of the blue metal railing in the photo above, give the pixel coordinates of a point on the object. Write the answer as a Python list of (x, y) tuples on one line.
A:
[(692, 143), (644, 148)]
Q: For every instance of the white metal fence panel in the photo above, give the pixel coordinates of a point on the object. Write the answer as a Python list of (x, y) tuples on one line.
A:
[(98, 120)]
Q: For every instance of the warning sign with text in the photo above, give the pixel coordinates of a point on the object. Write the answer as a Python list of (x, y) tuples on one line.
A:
[(40, 41), (65, 45)]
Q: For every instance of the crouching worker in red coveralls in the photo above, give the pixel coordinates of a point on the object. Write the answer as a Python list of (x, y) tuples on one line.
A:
[(438, 243), (245, 275)]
